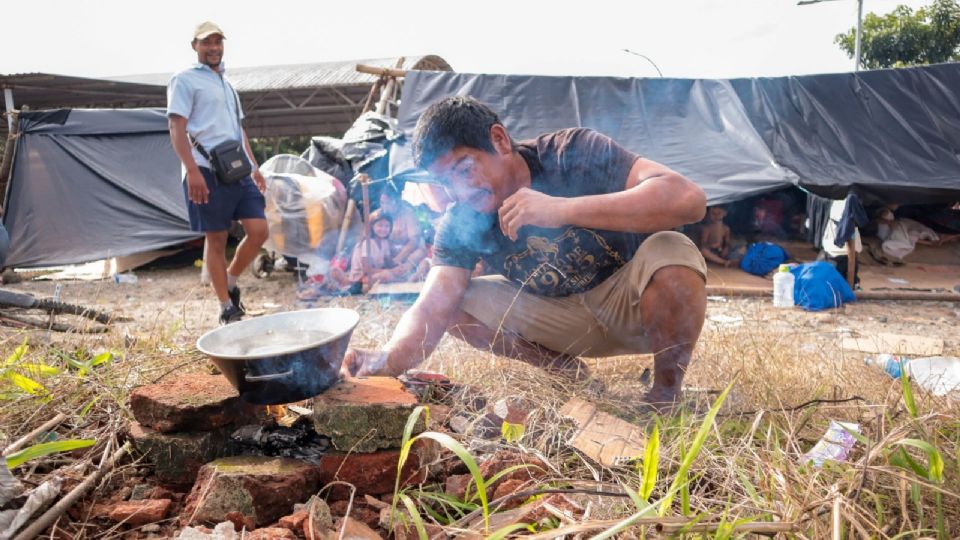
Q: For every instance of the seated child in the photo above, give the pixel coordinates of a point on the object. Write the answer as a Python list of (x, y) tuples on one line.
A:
[(406, 237), (380, 258), (715, 238)]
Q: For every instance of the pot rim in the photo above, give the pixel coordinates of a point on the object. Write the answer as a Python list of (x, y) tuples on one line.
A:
[(293, 349)]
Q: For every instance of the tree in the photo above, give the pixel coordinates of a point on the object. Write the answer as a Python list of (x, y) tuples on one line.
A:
[(904, 38)]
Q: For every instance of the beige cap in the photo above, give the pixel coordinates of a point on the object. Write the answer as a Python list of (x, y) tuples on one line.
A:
[(207, 28)]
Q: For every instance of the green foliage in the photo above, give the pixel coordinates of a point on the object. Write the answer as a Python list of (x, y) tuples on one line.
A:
[(43, 449), (265, 148), (651, 460), (905, 38)]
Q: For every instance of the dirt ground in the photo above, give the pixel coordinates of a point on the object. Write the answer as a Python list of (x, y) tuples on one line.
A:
[(173, 306)]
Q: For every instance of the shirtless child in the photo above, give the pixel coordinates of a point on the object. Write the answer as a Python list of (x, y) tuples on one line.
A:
[(715, 238)]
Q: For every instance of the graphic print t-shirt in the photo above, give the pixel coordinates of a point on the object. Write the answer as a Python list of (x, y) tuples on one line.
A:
[(573, 162)]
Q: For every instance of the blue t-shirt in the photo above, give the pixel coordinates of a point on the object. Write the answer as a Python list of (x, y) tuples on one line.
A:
[(209, 103), (551, 262)]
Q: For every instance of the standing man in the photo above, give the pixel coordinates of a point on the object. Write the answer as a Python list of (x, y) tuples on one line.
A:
[(564, 219), (204, 111)]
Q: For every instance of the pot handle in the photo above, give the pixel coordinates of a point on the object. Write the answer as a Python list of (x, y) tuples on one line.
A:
[(268, 376)]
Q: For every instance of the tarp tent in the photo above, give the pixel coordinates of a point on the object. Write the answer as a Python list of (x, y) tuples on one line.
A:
[(891, 134), (90, 184)]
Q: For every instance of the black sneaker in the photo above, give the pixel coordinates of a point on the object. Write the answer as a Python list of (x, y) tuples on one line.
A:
[(234, 295), (231, 314)]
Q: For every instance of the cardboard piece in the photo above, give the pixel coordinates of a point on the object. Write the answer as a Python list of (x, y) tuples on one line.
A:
[(895, 344), (604, 438), (396, 289)]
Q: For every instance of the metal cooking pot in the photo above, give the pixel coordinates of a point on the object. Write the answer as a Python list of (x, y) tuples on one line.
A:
[(284, 357)]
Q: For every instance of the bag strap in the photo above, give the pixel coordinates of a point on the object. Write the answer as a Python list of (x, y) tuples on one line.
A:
[(199, 147)]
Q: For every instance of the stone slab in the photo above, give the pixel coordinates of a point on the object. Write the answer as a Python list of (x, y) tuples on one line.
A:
[(263, 488), (177, 457), (365, 414)]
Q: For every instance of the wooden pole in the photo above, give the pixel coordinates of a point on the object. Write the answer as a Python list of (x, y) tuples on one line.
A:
[(390, 72), (64, 504), (368, 106), (365, 258), (386, 94), (345, 224), (22, 441), (8, 152), (851, 262)]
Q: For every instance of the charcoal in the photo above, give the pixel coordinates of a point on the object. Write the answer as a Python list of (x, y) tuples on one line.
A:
[(299, 441)]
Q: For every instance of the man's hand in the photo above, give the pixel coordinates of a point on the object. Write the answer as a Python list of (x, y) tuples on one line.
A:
[(529, 207), (259, 181), (197, 187), (364, 363)]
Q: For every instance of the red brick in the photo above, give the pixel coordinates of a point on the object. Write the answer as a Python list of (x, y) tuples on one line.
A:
[(355, 530), (271, 533), (240, 521), (375, 473), (191, 402), (294, 521), (456, 485), (262, 487), (365, 415), (509, 487), (368, 391), (138, 513)]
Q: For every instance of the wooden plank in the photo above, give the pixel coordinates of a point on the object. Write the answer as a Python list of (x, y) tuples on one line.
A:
[(604, 438), (396, 289), (895, 344)]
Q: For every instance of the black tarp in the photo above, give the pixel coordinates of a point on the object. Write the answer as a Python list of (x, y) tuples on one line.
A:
[(89, 184), (887, 134)]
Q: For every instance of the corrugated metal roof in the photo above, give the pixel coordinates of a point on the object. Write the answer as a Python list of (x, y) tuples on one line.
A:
[(321, 74), (303, 99)]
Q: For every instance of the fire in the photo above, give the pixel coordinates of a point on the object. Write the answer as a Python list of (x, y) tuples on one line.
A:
[(278, 412)]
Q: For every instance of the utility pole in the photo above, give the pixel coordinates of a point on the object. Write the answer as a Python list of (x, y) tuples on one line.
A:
[(856, 53)]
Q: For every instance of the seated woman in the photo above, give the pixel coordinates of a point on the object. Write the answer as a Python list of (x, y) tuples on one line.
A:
[(406, 238), (375, 255)]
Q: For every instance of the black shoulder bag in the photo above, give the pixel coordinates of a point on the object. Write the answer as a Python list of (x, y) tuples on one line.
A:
[(228, 159)]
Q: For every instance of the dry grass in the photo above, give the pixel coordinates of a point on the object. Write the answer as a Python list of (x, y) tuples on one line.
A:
[(791, 380)]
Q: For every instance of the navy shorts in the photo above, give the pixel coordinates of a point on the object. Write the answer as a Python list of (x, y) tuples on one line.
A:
[(227, 202)]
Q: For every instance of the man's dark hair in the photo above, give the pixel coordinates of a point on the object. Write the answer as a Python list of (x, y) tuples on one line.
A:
[(449, 123)]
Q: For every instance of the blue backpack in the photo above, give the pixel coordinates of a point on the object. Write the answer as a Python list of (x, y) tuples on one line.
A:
[(762, 257), (818, 286)]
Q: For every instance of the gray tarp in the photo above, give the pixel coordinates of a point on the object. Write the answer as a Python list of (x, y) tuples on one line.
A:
[(90, 184), (893, 134)]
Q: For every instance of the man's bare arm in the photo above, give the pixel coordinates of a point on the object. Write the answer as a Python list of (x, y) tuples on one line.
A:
[(196, 186), (654, 198), (420, 329), (181, 143)]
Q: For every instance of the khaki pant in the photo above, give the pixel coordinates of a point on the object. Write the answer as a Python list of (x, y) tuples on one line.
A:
[(604, 321)]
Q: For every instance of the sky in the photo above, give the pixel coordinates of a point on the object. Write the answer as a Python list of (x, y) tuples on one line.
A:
[(684, 38)]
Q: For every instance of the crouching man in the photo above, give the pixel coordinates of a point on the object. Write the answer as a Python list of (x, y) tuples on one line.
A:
[(578, 229)]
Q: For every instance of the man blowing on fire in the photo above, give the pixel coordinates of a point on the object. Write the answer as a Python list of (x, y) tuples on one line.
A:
[(578, 229)]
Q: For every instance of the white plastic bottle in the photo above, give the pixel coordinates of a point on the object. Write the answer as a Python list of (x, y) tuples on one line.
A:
[(893, 365), (783, 287)]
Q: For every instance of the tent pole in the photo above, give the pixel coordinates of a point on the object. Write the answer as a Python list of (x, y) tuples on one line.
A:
[(6, 165), (8, 104), (365, 257), (851, 263)]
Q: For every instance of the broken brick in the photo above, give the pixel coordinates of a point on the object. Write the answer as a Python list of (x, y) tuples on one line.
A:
[(136, 513), (177, 457), (191, 402), (271, 533), (294, 521), (365, 415), (261, 487), (375, 473)]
